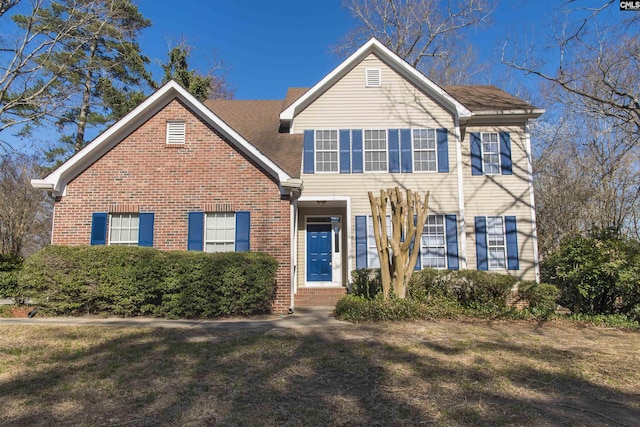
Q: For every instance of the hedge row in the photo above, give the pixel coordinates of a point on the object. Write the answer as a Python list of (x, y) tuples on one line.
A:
[(441, 294), (9, 266), (129, 281)]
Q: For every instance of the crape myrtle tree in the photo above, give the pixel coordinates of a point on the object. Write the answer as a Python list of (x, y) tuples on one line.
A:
[(398, 248)]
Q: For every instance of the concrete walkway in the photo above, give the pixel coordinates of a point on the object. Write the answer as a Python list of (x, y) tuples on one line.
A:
[(304, 317)]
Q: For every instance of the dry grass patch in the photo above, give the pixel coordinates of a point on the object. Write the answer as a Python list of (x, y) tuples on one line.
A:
[(438, 373)]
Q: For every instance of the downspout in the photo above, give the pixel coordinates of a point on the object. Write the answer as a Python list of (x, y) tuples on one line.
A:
[(532, 203), (294, 188), (462, 235)]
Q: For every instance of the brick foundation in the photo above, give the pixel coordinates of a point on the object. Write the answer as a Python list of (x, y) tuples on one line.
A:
[(318, 297)]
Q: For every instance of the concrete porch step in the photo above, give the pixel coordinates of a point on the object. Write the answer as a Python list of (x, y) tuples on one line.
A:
[(318, 297)]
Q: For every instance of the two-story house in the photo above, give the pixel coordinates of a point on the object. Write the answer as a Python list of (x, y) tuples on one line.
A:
[(291, 177)]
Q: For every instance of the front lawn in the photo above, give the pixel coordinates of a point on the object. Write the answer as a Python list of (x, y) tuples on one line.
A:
[(436, 373)]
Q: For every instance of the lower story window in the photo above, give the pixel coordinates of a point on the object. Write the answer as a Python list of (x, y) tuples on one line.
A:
[(373, 259), (496, 242), (220, 232), (433, 249), (123, 229)]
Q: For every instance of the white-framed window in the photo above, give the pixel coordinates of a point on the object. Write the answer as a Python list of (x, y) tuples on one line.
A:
[(433, 243), (375, 150), (326, 150), (373, 77), (496, 246), (175, 132), (219, 232), (424, 150), (490, 153), (373, 260), (123, 229)]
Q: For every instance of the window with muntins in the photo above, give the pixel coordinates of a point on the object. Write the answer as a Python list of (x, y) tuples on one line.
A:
[(220, 232), (326, 148), (375, 150), (433, 250), (490, 153), (424, 150), (496, 242), (123, 229)]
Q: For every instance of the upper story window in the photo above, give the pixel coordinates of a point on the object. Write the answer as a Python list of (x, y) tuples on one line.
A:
[(326, 148), (175, 132), (375, 150), (373, 77), (433, 249), (220, 232), (496, 242), (490, 153), (123, 229), (424, 150)]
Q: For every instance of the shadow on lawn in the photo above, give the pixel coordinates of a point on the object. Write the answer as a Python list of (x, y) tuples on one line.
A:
[(285, 377)]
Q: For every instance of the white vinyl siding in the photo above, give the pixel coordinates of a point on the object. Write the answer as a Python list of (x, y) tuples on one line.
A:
[(326, 150), (433, 243), (175, 132), (220, 232), (424, 150), (496, 243), (375, 150), (123, 229), (490, 153)]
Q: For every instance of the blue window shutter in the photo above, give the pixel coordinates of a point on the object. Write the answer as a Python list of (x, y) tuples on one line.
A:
[(481, 243), (361, 241), (407, 151), (476, 153), (99, 222), (356, 151), (196, 231), (145, 229), (243, 231), (345, 151), (505, 153), (309, 156), (394, 151), (419, 260), (451, 225), (512, 242), (443, 150)]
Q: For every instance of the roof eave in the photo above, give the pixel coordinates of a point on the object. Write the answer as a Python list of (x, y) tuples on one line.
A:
[(56, 181), (530, 113)]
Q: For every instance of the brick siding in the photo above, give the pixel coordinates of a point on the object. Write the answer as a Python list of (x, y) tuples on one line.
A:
[(143, 174)]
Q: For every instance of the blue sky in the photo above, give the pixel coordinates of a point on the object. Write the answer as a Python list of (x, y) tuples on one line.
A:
[(272, 45)]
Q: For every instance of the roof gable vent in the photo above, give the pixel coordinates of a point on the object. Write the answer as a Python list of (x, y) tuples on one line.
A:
[(373, 77), (175, 132)]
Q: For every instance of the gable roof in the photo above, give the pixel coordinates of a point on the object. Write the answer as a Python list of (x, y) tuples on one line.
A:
[(401, 66), (58, 179), (257, 122)]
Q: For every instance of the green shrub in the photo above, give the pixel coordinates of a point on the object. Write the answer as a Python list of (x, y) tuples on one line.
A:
[(596, 276), (540, 296), (470, 288), (9, 266), (366, 282), (129, 281)]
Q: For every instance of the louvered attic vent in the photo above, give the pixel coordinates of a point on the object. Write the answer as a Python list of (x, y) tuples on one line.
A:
[(373, 77), (175, 132)]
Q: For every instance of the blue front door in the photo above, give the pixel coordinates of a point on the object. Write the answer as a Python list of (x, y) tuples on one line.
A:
[(319, 252)]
